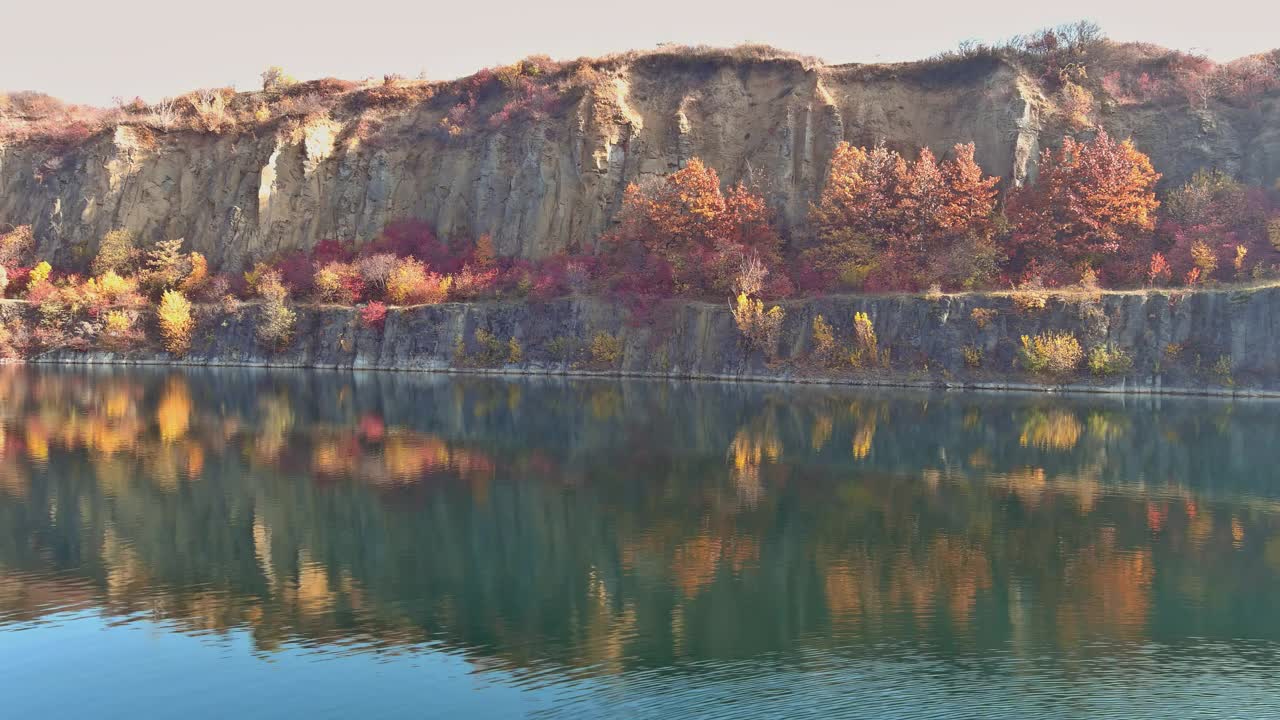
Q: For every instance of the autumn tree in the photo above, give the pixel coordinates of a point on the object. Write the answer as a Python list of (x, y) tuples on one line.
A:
[(1092, 206), (176, 322), (1213, 214), (890, 222), (702, 234), (116, 252)]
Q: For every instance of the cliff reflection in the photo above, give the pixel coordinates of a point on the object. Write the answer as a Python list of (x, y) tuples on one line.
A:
[(606, 525)]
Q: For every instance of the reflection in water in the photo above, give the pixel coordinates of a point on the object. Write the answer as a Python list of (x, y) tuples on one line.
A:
[(584, 532)]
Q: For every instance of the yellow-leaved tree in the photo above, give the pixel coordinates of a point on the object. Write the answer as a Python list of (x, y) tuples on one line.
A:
[(176, 323)]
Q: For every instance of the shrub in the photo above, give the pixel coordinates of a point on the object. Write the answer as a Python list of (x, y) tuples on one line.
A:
[(562, 347), (1204, 259), (116, 253), (39, 274), (983, 316), (760, 328), (275, 78), (374, 315), (118, 329), (117, 322), (972, 356), (110, 289), (198, 274), (14, 338), (1158, 272), (1030, 296), (1222, 370), (606, 349), (1050, 353), (411, 284), (515, 353), (375, 269), (824, 342), (484, 254), (338, 282), (492, 350), (166, 265), (470, 284), (176, 323), (1105, 360), (275, 318), (15, 245), (866, 346)]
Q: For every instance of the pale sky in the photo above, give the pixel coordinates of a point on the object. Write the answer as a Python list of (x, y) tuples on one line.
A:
[(92, 50)]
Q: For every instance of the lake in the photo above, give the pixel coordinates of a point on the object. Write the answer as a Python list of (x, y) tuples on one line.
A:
[(252, 543)]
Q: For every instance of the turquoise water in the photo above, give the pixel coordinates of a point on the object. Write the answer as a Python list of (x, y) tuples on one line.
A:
[(234, 543)]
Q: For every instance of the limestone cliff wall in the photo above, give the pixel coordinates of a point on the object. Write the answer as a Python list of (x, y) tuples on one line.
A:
[(541, 186), (1177, 342)]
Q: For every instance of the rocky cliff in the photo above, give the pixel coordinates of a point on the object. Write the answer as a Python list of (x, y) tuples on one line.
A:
[(555, 180), (1211, 341)]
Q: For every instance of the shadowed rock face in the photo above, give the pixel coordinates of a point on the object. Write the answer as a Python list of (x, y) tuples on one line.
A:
[(1218, 341), (539, 187)]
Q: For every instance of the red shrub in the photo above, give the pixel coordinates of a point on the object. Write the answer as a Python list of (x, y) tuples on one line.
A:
[(295, 271), (374, 315), (327, 251), (406, 238), (1158, 272), (18, 278)]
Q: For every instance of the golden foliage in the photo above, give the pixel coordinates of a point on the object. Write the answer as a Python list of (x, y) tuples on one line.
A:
[(275, 318), (760, 328), (866, 346), (983, 316), (606, 349), (1050, 353), (972, 356), (115, 252), (176, 323), (198, 274), (1204, 258), (410, 283), (824, 342), (39, 274), (1109, 360)]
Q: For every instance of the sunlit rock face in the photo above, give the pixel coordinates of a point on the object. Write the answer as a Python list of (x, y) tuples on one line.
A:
[(541, 186)]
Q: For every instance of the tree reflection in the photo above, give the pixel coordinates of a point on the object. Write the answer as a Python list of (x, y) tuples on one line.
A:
[(609, 525)]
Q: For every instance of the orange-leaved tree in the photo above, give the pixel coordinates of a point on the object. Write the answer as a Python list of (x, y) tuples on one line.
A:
[(893, 223), (703, 234), (1093, 205)]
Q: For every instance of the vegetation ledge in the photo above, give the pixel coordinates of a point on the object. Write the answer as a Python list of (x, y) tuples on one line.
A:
[(1206, 341)]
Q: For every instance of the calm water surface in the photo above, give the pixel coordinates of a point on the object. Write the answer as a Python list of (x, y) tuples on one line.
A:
[(235, 543)]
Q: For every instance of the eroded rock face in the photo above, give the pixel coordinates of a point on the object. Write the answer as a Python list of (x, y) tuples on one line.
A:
[(540, 187)]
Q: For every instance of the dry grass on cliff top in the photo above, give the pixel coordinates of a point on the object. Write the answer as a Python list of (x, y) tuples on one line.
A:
[(1122, 73), (53, 125)]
